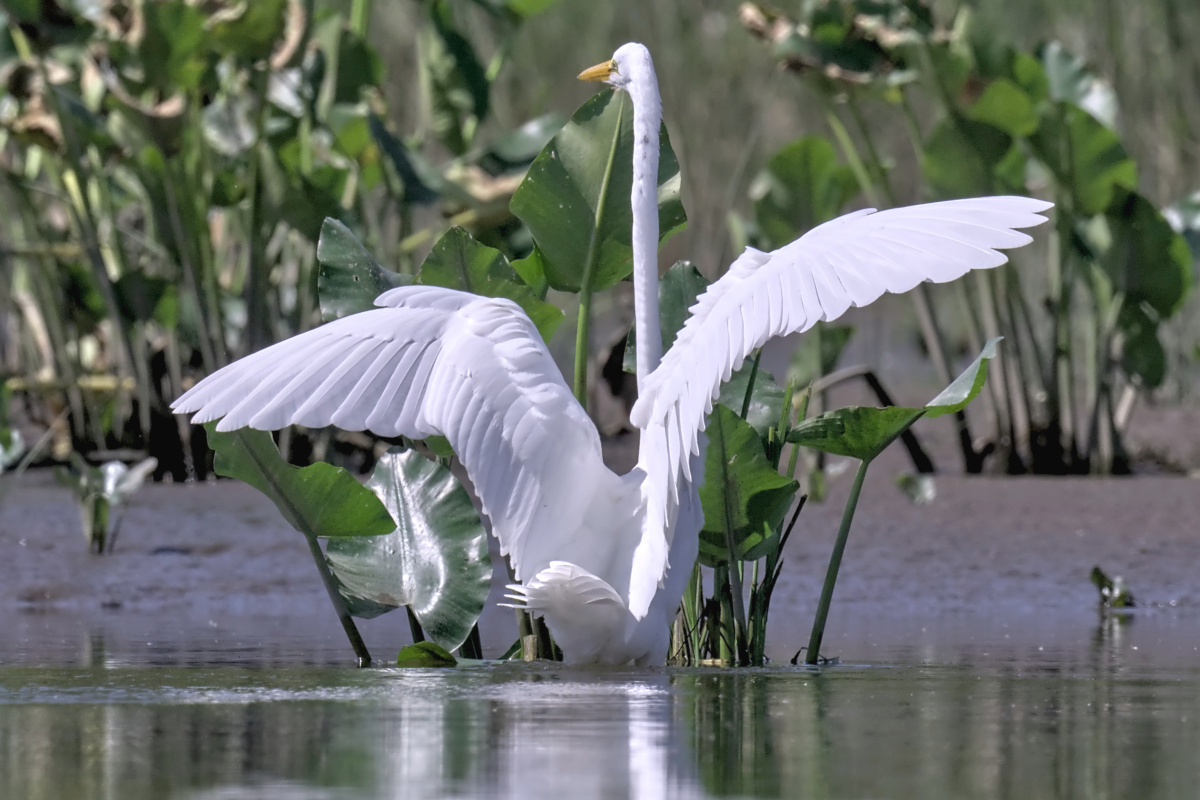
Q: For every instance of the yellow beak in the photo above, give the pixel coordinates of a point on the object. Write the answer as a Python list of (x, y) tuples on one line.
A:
[(600, 72)]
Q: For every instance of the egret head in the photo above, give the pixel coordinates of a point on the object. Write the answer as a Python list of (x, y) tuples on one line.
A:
[(623, 68)]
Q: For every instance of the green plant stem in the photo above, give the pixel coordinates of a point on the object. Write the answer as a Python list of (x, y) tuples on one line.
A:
[(360, 16), (583, 327), (750, 384), (835, 563), (339, 603), (582, 350)]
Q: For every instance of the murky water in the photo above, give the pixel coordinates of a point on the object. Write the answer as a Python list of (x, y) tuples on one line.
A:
[(1110, 711)]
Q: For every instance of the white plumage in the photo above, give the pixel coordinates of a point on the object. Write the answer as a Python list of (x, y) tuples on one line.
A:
[(604, 558)]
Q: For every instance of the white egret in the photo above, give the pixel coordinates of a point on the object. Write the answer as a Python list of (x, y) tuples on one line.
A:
[(603, 557)]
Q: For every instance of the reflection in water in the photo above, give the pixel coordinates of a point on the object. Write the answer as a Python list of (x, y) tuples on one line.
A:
[(1092, 728)]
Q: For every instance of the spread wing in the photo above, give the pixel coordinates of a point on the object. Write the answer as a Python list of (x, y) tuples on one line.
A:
[(434, 361), (849, 261)]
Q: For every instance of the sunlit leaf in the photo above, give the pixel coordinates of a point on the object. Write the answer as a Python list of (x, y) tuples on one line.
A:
[(742, 493), (575, 198), (350, 278), (457, 261), (436, 559), (319, 500), (863, 433), (1006, 106)]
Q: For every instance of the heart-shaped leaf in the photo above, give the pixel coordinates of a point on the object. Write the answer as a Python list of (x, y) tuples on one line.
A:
[(435, 560), (575, 198), (862, 432), (320, 500), (350, 277), (743, 497), (457, 261)]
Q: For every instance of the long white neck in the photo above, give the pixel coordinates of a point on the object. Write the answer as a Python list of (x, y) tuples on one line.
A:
[(647, 118)]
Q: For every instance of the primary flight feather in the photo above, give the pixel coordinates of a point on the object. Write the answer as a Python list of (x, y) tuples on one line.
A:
[(603, 557)]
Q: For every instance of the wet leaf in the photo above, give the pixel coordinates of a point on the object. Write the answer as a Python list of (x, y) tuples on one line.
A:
[(350, 278), (742, 492), (457, 261), (425, 654), (320, 500), (863, 433), (435, 560), (575, 198)]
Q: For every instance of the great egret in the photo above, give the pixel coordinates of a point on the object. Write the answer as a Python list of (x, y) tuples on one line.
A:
[(603, 557)]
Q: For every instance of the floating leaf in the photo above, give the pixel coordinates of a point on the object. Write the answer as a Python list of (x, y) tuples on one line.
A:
[(426, 655), (742, 493), (436, 559), (319, 500), (350, 277), (457, 261), (575, 198)]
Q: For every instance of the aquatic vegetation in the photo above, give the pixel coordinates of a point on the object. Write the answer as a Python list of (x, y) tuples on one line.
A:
[(604, 559), (1085, 334), (101, 493)]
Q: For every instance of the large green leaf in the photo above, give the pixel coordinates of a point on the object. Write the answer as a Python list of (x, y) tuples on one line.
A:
[(1145, 259), (575, 198), (1006, 106), (457, 261), (743, 494), (802, 186), (962, 157), (766, 398), (320, 500), (863, 433), (435, 561), (1086, 157), (677, 292), (350, 278)]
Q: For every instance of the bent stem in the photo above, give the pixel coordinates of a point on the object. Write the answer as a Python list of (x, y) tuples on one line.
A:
[(835, 562)]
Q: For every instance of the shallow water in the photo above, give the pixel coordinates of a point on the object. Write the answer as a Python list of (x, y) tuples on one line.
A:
[(1112, 710)]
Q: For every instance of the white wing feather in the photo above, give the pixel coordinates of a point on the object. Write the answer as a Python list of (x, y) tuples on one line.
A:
[(849, 261), (436, 361)]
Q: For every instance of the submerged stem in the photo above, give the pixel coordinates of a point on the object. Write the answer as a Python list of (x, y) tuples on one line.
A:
[(835, 562)]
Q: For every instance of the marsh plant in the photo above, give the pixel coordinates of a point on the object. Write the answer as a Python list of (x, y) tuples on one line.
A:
[(101, 494)]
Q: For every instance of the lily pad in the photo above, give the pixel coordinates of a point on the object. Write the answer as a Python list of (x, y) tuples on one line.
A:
[(425, 654)]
